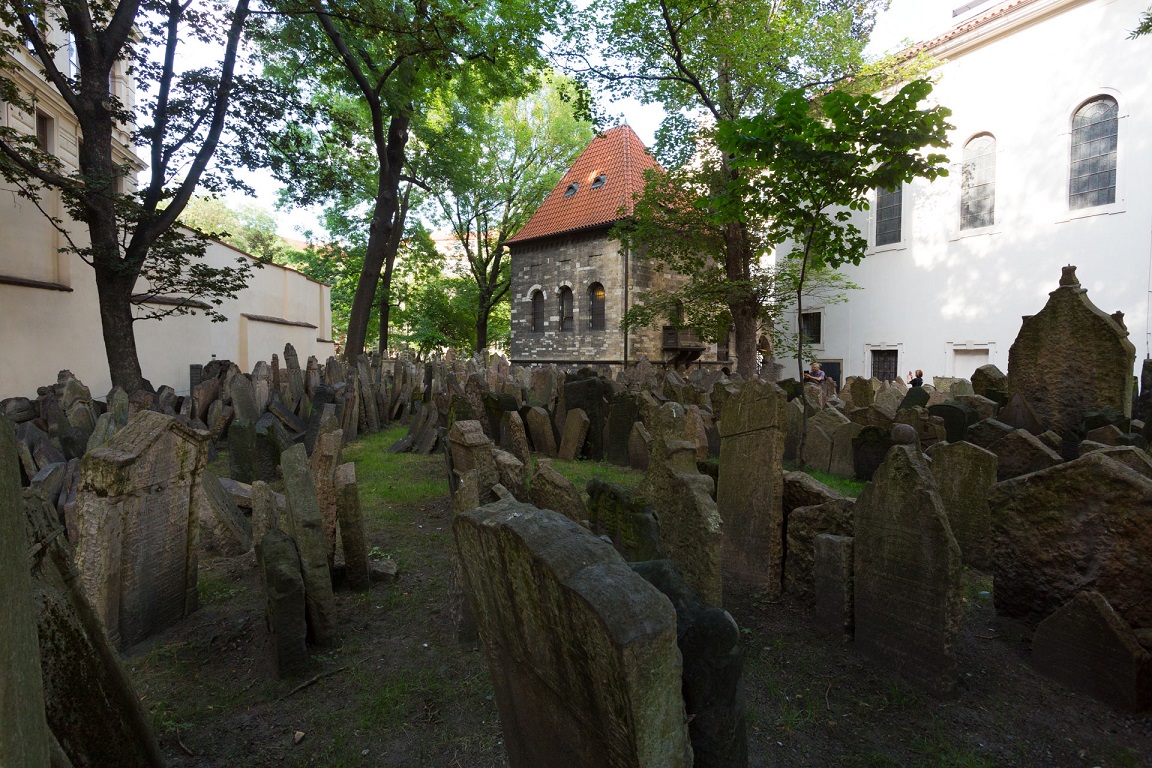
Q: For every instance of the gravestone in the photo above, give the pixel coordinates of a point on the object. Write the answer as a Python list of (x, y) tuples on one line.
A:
[(870, 448), (1084, 522), (1087, 647), (987, 433), (513, 437), (861, 391), (990, 382), (916, 397), (303, 522), (888, 401), (906, 572), (804, 525), (623, 413), (832, 583), (1020, 452), (590, 395), (280, 573), (751, 486), (470, 449), (842, 459), (630, 522), (24, 731), (138, 520), (548, 489), (352, 538), (956, 416), (639, 447), (582, 651), (324, 460), (1018, 414), (1070, 358), (223, 527), (576, 425), (965, 474), (539, 425)]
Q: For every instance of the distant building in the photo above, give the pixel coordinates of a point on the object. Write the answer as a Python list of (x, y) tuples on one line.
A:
[(49, 310), (572, 282), (1050, 157)]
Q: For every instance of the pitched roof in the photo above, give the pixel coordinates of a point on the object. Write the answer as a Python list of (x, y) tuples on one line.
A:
[(621, 157), (986, 17)]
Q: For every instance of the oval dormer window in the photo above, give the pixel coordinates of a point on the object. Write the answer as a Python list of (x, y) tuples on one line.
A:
[(599, 181), (571, 189)]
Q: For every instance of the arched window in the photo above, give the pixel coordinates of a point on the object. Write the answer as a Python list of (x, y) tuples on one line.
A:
[(978, 183), (538, 312), (596, 307), (1092, 180), (566, 309)]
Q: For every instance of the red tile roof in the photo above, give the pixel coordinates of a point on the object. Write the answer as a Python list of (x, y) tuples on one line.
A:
[(619, 155), (980, 20)]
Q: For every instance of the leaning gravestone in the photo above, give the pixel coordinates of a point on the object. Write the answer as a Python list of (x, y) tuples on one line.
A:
[(138, 520), (964, 476), (582, 651), (751, 483), (907, 574), (284, 588), (1084, 522), (23, 730), (1088, 648), (629, 522), (539, 425), (306, 526), (624, 412), (1071, 358), (576, 425)]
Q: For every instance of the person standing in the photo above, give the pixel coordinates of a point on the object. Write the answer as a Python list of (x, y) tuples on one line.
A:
[(917, 380)]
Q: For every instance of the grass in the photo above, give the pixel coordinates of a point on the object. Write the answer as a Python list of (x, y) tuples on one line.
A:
[(848, 486), (580, 472), (213, 590), (393, 479)]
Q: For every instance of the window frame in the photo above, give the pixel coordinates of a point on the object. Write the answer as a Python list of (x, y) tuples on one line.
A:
[(1072, 161), (818, 342), (875, 220), (966, 186), (597, 310), (539, 315), (567, 313)]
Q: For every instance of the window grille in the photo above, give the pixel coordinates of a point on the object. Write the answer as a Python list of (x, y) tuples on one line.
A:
[(889, 205), (596, 307), (566, 323), (538, 312), (1094, 138), (810, 327)]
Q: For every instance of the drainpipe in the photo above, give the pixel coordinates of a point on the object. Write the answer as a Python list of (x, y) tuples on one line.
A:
[(627, 275)]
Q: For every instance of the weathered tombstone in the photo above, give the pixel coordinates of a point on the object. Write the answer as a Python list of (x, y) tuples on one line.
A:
[(906, 574), (513, 475), (965, 474), (1019, 452), (630, 523), (352, 537), (860, 390), (916, 397), (582, 651), (305, 525), (870, 447), (832, 583), (623, 413), (513, 437), (804, 525), (280, 573), (138, 517), (539, 425), (93, 713), (223, 527), (639, 447), (752, 447), (1084, 522), (1071, 358), (242, 450), (987, 433), (470, 449), (265, 510), (324, 460), (888, 401), (842, 458), (956, 416), (1087, 647), (548, 489), (1018, 414), (24, 731), (576, 425), (271, 440), (990, 382)]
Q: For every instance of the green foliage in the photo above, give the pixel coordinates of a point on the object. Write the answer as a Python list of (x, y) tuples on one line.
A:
[(1145, 26), (246, 226), (392, 479), (582, 472)]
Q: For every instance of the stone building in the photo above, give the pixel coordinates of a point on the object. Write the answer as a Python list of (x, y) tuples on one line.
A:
[(572, 281)]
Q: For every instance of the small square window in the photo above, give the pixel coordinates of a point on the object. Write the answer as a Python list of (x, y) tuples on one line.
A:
[(810, 323)]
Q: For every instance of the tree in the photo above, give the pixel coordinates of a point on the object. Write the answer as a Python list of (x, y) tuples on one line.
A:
[(811, 162), (1145, 26), (392, 59), (708, 63), (180, 123), (246, 226), (493, 167)]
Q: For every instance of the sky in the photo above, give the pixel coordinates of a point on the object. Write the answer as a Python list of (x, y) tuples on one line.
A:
[(905, 20)]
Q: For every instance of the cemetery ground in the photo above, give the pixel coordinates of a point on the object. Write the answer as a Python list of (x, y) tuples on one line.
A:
[(400, 690)]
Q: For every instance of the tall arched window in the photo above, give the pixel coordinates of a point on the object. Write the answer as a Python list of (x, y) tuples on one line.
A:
[(566, 323), (596, 307), (978, 183), (1092, 180), (538, 312)]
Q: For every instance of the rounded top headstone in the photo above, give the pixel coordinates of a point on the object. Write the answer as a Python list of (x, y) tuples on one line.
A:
[(903, 434)]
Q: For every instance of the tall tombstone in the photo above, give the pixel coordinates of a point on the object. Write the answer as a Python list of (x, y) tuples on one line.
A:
[(591, 396), (23, 730), (305, 524), (1070, 358), (92, 710), (965, 474), (622, 414), (582, 651), (352, 538), (906, 574), (138, 518), (280, 573), (751, 486), (324, 460)]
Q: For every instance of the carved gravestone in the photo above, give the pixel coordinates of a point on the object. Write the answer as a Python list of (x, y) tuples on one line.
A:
[(582, 651), (470, 449), (23, 730), (1084, 522), (513, 438), (956, 416), (832, 583), (1087, 647), (304, 524), (639, 447), (861, 391), (1017, 413), (751, 484), (916, 397), (548, 489), (907, 574), (590, 395), (1020, 452), (630, 522), (870, 447), (223, 527), (539, 425), (804, 526), (990, 382), (965, 474), (1071, 358), (324, 460), (284, 589), (987, 433), (138, 518), (576, 429)]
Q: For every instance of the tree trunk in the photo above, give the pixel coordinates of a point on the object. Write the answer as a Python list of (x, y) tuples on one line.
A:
[(389, 264), (379, 235), (482, 313), (115, 293)]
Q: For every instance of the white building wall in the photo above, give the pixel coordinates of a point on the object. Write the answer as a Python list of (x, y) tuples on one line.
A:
[(950, 300)]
